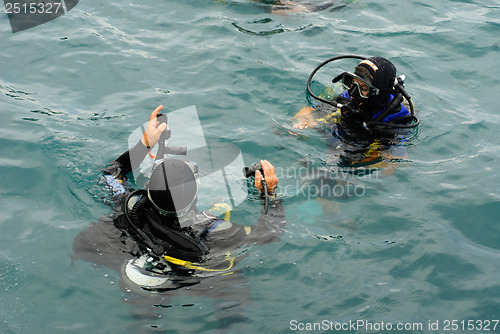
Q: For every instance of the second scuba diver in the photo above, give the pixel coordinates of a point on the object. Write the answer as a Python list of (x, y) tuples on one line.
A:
[(160, 243), (366, 126), (369, 120)]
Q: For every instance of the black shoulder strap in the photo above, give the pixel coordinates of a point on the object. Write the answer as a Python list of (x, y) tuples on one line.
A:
[(132, 217), (394, 106)]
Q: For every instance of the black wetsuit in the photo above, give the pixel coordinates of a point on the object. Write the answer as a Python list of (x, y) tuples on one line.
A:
[(117, 244)]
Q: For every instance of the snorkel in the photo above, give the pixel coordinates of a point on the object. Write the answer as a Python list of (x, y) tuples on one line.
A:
[(352, 108)]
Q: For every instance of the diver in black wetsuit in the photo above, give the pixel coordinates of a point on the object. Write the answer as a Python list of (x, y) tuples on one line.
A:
[(159, 242)]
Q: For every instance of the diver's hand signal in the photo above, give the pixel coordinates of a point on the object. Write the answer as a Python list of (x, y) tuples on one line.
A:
[(154, 129)]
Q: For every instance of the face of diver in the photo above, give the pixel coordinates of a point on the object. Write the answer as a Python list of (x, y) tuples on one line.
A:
[(365, 95), (363, 90), (365, 98)]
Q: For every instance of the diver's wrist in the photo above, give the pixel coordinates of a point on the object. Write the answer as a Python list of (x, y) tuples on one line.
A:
[(144, 144)]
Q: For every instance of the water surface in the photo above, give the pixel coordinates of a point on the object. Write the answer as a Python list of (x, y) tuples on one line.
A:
[(423, 242)]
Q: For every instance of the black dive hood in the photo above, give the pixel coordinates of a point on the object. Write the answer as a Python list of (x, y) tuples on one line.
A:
[(396, 89)]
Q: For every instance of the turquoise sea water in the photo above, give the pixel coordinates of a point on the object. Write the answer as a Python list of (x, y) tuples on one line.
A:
[(421, 244)]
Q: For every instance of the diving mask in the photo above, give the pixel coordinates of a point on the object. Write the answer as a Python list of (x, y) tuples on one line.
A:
[(365, 89)]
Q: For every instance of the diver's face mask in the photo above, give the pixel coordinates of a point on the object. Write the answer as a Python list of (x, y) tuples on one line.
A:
[(357, 86), (360, 91)]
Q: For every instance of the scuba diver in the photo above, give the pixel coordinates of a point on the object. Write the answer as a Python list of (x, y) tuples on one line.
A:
[(162, 246), (372, 116), (366, 126)]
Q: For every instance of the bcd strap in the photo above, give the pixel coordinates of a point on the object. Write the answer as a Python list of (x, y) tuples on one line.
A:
[(394, 106)]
